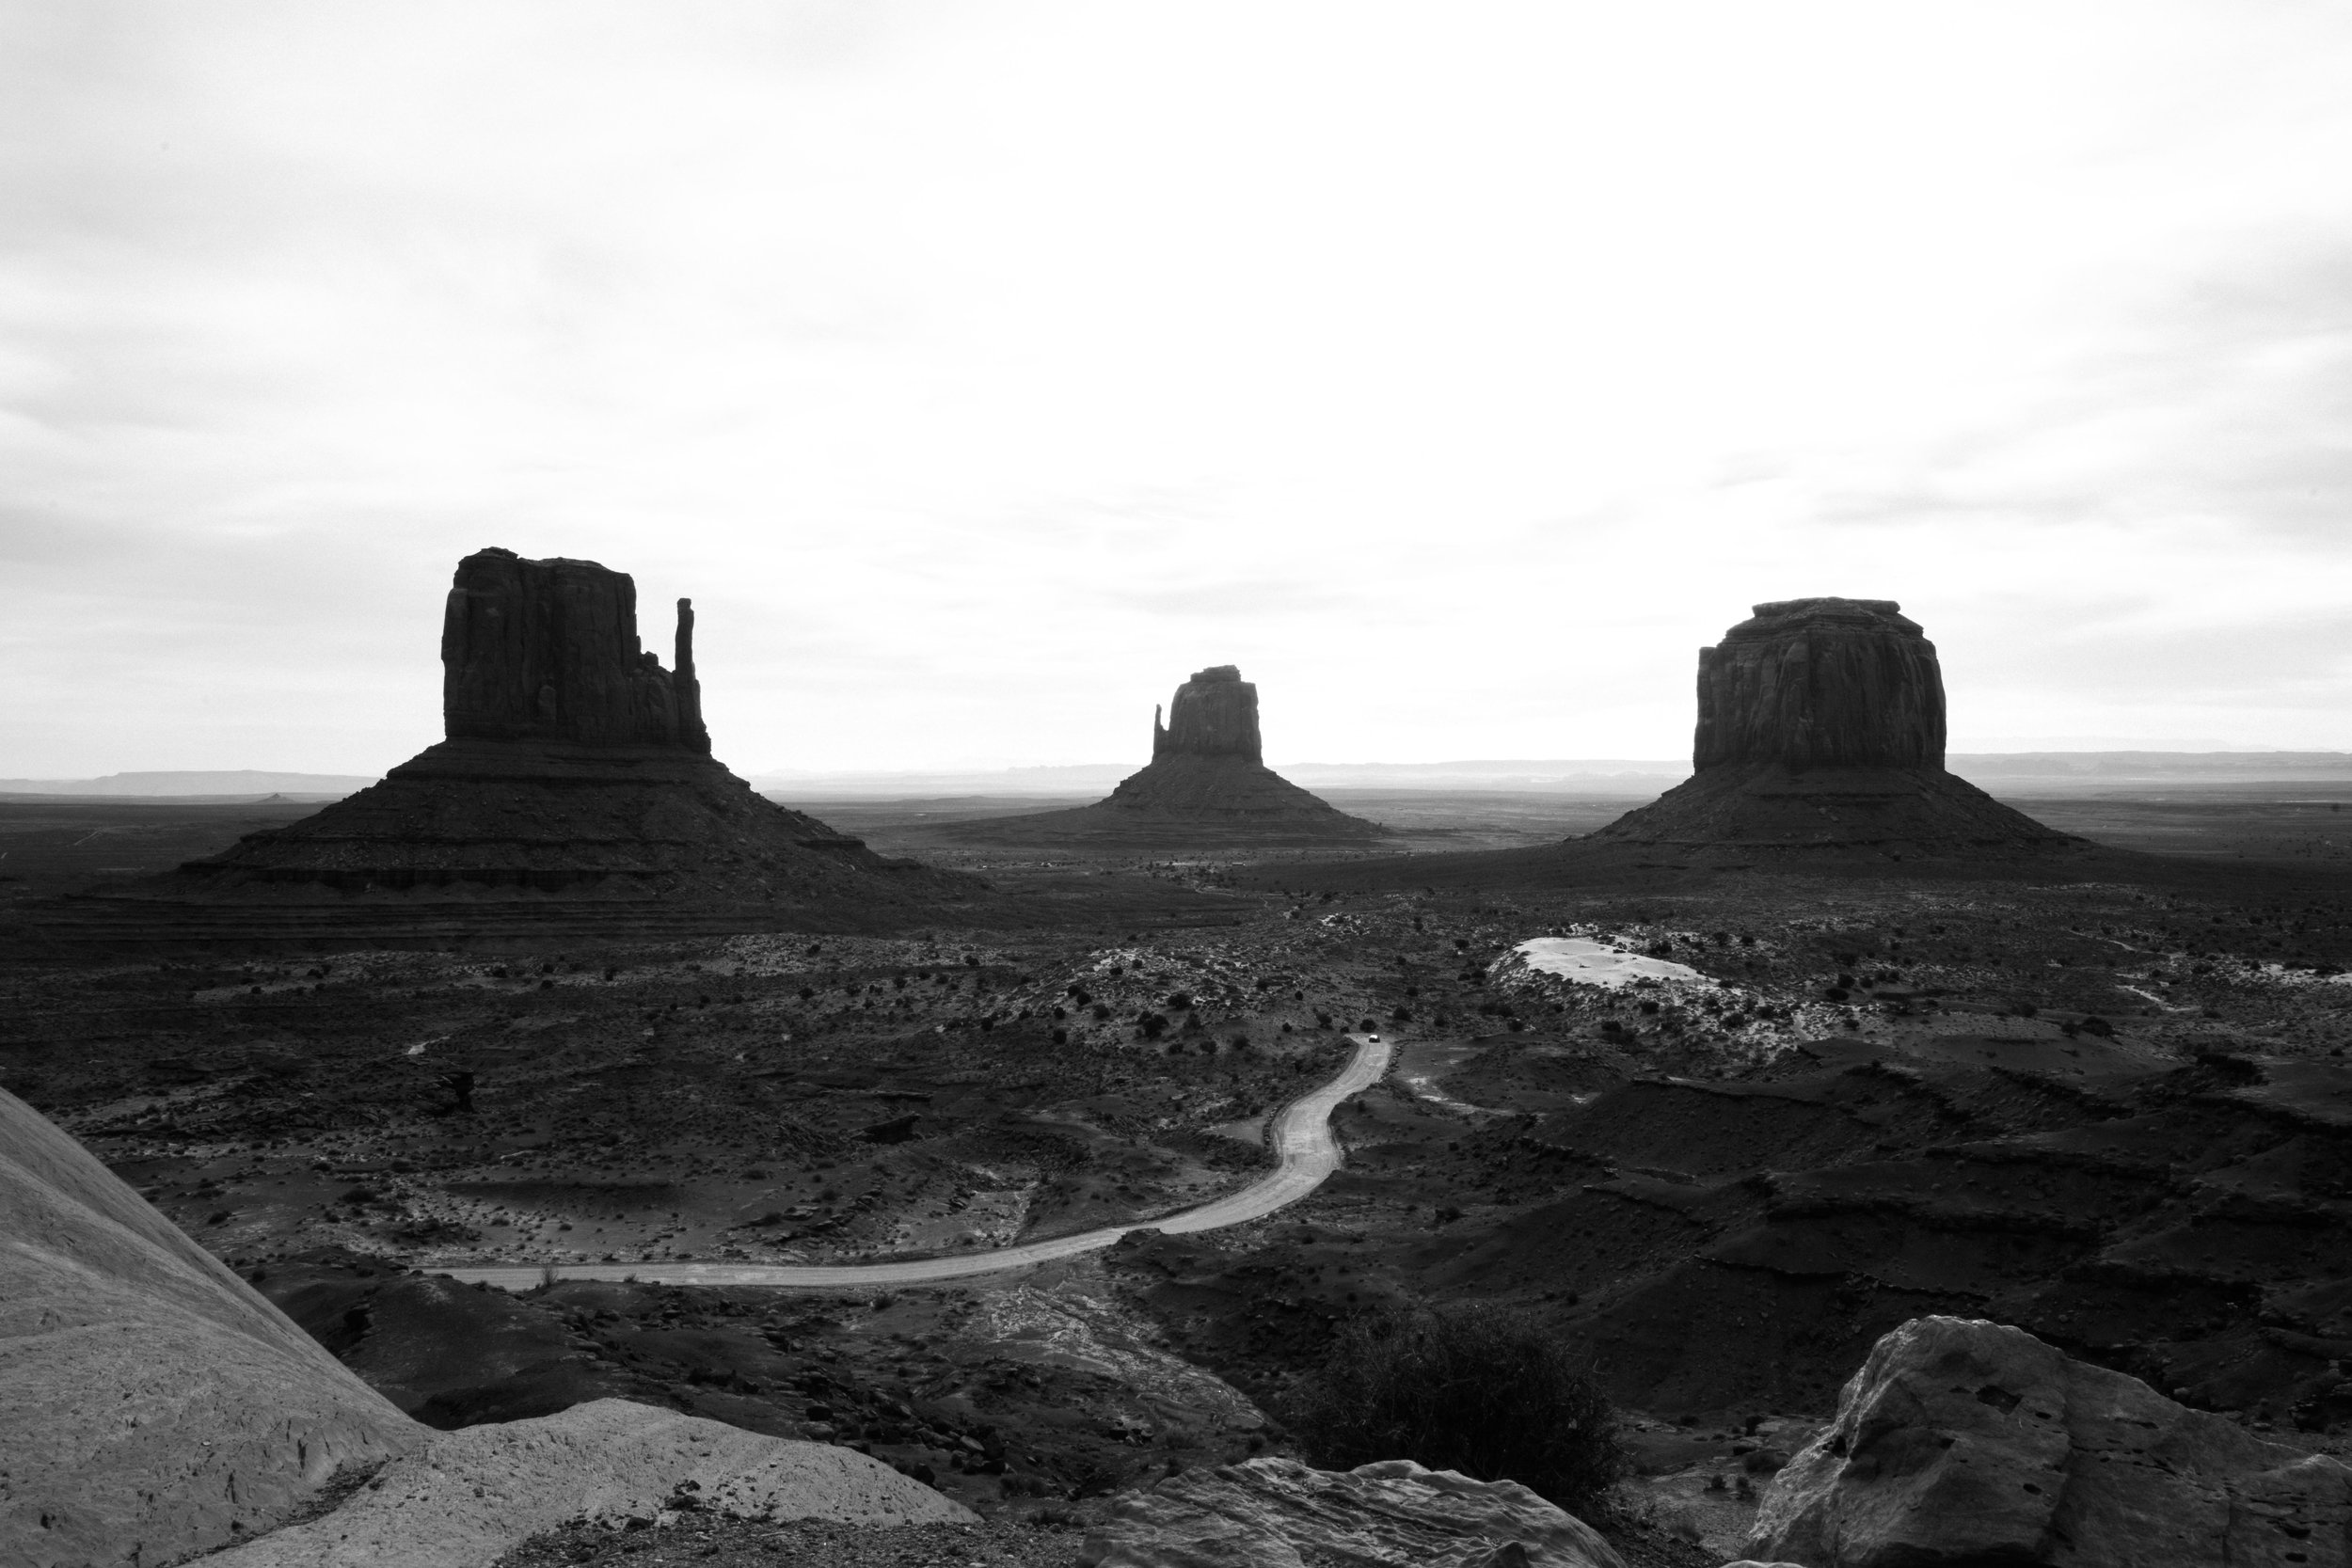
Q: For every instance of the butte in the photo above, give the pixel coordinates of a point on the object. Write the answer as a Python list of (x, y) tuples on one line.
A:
[(575, 792), (1207, 786), (1821, 727)]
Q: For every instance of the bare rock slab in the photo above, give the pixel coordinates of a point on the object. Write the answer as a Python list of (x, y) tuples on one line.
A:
[(1962, 1442), (152, 1404), (1280, 1514), (468, 1495)]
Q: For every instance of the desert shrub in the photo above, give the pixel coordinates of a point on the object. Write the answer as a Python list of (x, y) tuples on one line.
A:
[(1484, 1390)]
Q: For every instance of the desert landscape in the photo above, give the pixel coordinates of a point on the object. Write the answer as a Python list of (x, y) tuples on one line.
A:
[(957, 1175), (1728, 946)]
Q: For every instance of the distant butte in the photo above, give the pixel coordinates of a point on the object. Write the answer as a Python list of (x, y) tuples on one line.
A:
[(1821, 727), (1207, 785), (576, 787)]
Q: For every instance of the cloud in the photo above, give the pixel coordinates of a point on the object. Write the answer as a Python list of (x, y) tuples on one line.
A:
[(982, 369)]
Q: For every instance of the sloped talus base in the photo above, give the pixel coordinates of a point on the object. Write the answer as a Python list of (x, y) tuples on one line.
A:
[(1192, 801), (1767, 807), (473, 836)]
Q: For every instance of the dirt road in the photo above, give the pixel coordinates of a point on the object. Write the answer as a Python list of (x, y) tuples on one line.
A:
[(1301, 1137)]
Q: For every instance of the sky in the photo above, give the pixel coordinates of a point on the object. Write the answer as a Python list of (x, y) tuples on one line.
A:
[(982, 369)]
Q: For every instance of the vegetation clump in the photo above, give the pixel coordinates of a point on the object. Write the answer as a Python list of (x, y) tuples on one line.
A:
[(1484, 1389)]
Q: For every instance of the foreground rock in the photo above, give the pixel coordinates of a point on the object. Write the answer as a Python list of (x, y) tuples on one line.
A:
[(1964, 1442), (468, 1495), (1207, 784), (575, 793), (1821, 727), (1280, 1514), (152, 1405)]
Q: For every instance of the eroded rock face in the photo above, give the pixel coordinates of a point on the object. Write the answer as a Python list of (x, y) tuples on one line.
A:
[(1821, 682), (1214, 715), (151, 1403), (548, 650), (1280, 1514), (1966, 1442), (1821, 727)]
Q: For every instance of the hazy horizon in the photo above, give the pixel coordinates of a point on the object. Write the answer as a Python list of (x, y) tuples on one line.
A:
[(983, 369), (1081, 779)]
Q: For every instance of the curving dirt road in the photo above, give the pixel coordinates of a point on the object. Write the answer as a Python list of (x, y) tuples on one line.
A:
[(1302, 1137)]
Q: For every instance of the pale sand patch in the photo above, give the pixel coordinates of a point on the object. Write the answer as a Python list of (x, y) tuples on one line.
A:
[(1593, 963)]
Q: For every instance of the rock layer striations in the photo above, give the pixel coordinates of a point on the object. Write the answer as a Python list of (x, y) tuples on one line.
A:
[(548, 650), (1821, 725), (1207, 784), (1821, 682), (576, 787)]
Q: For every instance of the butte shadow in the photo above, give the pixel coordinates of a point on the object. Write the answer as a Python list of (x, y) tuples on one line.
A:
[(1207, 787), (575, 793)]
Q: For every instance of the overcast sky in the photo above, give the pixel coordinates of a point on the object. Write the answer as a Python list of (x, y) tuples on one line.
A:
[(982, 369)]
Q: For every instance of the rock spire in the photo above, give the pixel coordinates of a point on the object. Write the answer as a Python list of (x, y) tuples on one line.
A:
[(1821, 725)]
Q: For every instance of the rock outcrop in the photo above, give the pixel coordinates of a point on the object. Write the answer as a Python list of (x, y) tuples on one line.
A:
[(466, 1497), (576, 790), (1280, 1514), (1214, 715), (1821, 727), (1821, 682), (548, 650), (1963, 1442), (151, 1403), (1207, 785)]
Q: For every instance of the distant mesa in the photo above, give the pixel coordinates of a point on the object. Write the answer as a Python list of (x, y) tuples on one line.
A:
[(1207, 785), (575, 782), (1821, 725)]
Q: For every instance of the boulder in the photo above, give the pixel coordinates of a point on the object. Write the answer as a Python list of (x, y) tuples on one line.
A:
[(466, 1497), (1962, 1443), (151, 1403), (1280, 1514)]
